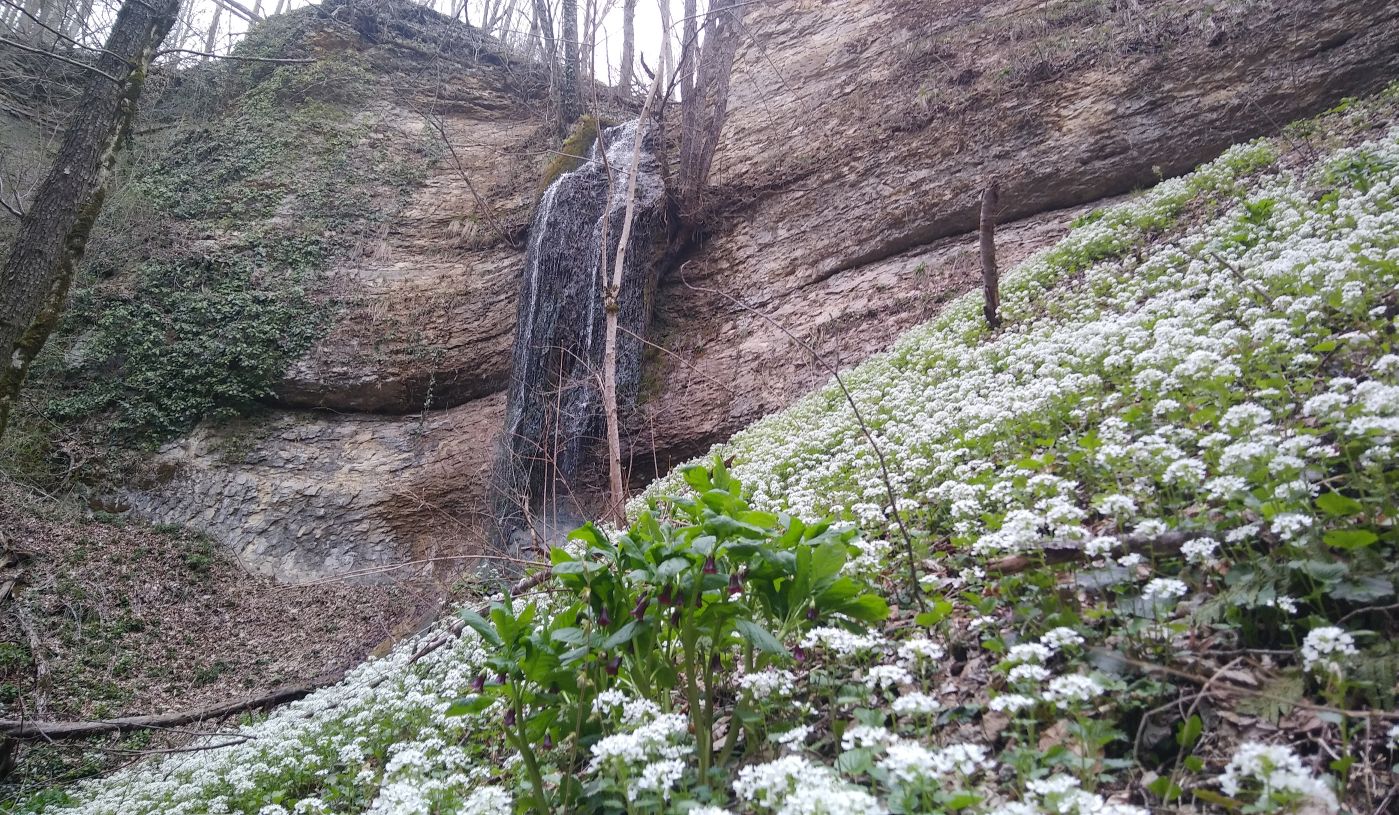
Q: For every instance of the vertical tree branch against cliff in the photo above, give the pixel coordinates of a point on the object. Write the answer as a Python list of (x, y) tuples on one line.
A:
[(611, 305), (991, 278), (54, 232), (705, 106), (626, 70)]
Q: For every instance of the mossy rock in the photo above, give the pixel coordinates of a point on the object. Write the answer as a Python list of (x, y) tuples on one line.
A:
[(574, 151)]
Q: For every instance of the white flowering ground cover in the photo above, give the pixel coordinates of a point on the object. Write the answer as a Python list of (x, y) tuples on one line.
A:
[(1153, 522)]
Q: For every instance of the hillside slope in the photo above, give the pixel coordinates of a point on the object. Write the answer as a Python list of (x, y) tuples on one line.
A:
[(1153, 515)]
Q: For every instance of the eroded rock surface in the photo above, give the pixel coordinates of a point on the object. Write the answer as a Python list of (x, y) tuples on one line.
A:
[(860, 135)]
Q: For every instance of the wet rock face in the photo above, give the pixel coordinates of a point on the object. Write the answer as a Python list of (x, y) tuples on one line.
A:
[(859, 137), (554, 408)]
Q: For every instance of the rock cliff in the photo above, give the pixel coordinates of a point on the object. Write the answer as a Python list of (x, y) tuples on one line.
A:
[(860, 135)]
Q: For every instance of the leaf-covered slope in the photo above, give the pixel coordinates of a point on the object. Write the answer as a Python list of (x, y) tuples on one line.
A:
[(1184, 430)]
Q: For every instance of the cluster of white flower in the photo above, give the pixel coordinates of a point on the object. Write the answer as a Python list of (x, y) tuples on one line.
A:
[(1066, 691), (634, 710), (1268, 770), (656, 778), (886, 676), (793, 785), (920, 651), (915, 703), (864, 735), (661, 738), (1062, 795), (841, 643), (1164, 589), (767, 684), (1326, 649)]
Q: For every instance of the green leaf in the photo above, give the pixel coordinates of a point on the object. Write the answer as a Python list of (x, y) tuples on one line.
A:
[(621, 636), (1350, 538), (1209, 796), (1189, 731), (1336, 505), (1361, 589), (1164, 789), (571, 636), (697, 476), (761, 638), (867, 608), (469, 705), (939, 611), (671, 567), (480, 626)]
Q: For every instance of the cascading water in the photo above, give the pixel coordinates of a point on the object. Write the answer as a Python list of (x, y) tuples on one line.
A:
[(554, 409)]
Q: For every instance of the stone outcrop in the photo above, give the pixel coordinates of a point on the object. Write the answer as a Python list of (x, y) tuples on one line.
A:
[(860, 135)]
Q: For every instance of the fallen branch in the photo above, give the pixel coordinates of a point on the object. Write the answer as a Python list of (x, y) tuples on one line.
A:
[(236, 58), (1162, 545), (29, 730)]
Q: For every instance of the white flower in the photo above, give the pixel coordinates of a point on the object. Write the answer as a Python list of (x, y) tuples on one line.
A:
[(709, 811), (1271, 770), (1200, 551), (766, 684), (1117, 506), (886, 676), (1029, 652), (962, 759), (920, 649), (1061, 637), (842, 643), (1063, 690), (1028, 673), (1289, 525), (915, 703), (908, 762), (1011, 703), (1100, 545), (488, 801), (1325, 650), (863, 735), (795, 737), (658, 777), (1164, 588)]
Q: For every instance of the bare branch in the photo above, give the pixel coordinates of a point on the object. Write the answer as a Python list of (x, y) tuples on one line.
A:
[(210, 55), (59, 57)]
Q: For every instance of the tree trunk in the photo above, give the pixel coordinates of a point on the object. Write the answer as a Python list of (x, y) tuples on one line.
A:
[(209, 38), (53, 234), (626, 70), (704, 110), (568, 103), (990, 277), (689, 47), (611, 305)]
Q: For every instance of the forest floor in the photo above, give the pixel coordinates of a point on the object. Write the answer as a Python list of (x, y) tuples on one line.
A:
[(101, 617)]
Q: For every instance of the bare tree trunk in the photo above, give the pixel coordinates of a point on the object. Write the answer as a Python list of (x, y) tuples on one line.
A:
[(280, 5), (53, 234), (213, 30), (705, 109), (991, 279), (689, 47), (611, 305), (628, 44), (568, 103)]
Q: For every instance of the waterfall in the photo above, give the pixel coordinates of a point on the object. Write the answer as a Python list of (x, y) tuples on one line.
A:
[(553, 415)]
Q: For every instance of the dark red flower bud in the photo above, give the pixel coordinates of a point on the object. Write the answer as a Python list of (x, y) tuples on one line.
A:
[(665, 598), (735, 585), (510, 717), (500, 679), (710, 567), (675, 617), (603, 618), (479, 683), (548, 741), (811, 613), (799, 654), (640, 610), (613, 664), (714, 663)]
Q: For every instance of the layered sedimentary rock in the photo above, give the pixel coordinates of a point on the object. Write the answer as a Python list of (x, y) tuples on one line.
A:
[(860, 135)]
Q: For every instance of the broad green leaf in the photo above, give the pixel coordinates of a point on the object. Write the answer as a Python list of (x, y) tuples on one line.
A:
[(697, 477), (1350, 538), (1189, 731), (761, 638), (469, 705), (827, 560), (478, 624), (621, 636), (1336, 505), (867, 608), (935, 614), (672, 567), (571, 636), (1361, 589)]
